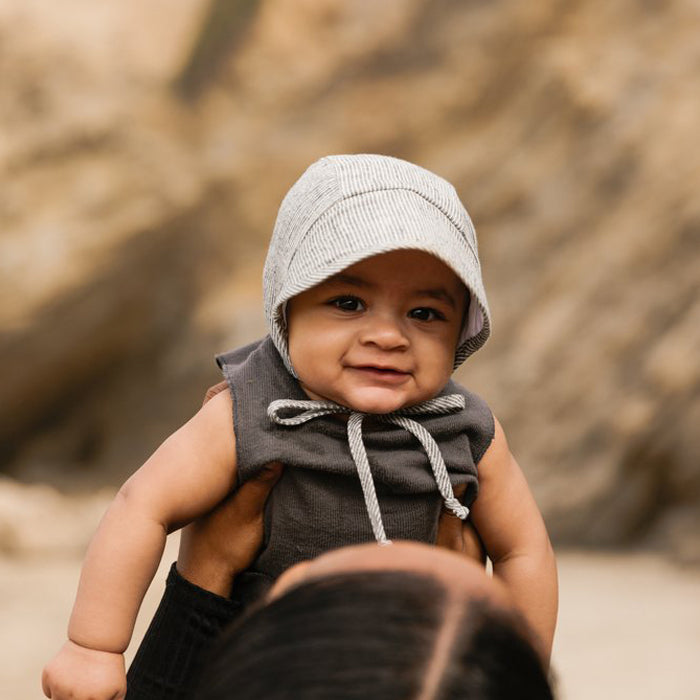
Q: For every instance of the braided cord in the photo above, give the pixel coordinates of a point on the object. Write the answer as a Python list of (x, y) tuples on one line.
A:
[(310, 410), (359, 454), (440, 405), (437, 463)]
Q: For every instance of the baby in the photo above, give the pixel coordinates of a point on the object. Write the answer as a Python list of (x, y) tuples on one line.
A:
[(373, 296)]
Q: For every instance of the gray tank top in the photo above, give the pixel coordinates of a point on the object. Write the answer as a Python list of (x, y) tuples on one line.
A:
[(318, 503)]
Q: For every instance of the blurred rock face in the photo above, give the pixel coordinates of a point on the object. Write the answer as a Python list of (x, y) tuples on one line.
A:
[(133, 222)]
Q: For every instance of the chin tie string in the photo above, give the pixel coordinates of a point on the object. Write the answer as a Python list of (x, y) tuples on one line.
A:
[(304, 411)]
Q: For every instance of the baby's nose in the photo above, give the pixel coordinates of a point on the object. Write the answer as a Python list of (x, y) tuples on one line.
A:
[(384, 331)]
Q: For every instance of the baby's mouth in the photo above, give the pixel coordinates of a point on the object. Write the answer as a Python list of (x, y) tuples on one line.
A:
[(385, 372)]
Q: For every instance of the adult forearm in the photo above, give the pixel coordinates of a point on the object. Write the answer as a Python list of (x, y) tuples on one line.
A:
[(169, 661), (120, 563)]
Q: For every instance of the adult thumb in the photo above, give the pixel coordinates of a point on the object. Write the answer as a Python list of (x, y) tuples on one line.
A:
[(254, 493), (270, 473)]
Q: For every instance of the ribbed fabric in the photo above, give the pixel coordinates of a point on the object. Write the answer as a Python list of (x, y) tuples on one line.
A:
[(304, 411), (318, 504), (344, 209), (188, 620)]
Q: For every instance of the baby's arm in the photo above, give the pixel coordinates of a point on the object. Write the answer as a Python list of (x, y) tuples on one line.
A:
[(188, 474), (512, 529)]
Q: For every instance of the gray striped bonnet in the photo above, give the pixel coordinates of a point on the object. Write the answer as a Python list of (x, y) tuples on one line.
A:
[(346, 208)]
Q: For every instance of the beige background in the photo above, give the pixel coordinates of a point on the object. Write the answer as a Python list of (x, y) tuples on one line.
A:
[(142, 159)]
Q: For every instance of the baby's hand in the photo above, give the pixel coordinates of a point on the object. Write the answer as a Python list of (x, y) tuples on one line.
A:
[(79, 673)]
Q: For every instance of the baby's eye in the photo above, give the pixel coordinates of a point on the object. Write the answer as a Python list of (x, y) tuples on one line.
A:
[(425, 313), (347, 303)]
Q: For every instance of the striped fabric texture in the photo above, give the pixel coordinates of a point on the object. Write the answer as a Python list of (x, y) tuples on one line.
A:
[(346, 208)]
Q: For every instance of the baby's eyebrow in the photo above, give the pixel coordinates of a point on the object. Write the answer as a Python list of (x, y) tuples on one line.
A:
[(437, 293), (342, 278), (440, 294)]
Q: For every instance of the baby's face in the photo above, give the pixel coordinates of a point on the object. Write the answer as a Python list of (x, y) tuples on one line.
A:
[(380, 335)]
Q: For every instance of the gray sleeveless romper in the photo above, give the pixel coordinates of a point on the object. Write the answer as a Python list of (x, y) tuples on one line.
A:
[(318, 503)]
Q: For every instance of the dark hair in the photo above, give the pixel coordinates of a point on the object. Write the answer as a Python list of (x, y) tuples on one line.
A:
[(492, 658), (371, 636)]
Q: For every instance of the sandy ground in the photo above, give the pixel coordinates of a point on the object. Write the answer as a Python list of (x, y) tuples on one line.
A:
[(629, 624)]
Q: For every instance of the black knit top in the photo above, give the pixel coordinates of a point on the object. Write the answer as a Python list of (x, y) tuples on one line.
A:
[(318, 503)]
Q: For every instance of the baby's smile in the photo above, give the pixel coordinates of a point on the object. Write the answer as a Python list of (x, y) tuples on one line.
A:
[(388, 375)]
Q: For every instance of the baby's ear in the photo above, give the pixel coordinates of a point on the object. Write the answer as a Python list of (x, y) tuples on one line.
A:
[(212, 391)]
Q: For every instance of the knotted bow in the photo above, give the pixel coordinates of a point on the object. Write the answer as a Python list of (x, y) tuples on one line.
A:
[(440, 405)]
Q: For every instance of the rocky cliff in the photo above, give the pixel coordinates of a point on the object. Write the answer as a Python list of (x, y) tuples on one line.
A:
[(134, 215)]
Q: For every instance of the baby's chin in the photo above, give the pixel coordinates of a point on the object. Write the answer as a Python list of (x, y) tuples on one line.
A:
[(368, 399), (377, 401)]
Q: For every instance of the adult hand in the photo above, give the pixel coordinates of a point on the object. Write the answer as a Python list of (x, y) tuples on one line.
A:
[(458, 535), (221, 544)]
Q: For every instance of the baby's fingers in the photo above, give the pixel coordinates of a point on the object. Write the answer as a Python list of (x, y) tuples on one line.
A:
[(79, 673)]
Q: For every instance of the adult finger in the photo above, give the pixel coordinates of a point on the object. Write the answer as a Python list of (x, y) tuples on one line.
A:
[(212, 391), (472, 546), (251, 497), (449, 532)]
